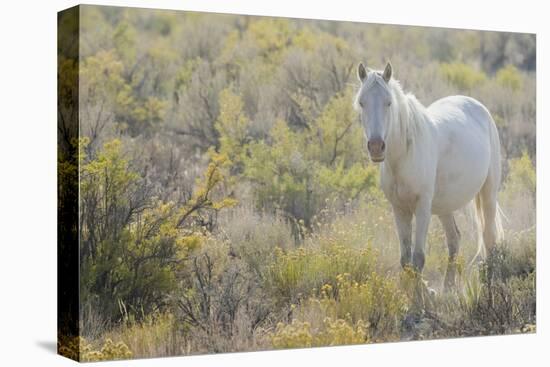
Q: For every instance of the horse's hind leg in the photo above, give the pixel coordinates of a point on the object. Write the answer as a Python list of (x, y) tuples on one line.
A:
[(453, 239), (422, 216)]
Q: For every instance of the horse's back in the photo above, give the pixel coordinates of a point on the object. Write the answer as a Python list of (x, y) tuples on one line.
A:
[(463, 128), (461, 110)]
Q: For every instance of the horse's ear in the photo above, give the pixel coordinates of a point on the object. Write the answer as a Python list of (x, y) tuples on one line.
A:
[(387, 72), (361, 72)]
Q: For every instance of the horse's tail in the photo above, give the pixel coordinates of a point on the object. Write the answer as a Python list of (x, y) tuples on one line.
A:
[(498, 221), (486, 199), (499, 213), (480, 224)]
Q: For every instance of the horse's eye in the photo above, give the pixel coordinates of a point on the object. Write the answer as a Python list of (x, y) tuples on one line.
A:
[(388, 104), (361, 104)]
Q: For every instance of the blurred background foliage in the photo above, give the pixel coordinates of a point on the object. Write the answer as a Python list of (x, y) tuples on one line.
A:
[(227, 202)]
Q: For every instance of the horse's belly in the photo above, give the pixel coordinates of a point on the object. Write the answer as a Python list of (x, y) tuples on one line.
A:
[(454, 197), (459, 178)]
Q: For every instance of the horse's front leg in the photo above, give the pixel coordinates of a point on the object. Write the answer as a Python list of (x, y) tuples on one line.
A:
[(403, 222), (422, 214)]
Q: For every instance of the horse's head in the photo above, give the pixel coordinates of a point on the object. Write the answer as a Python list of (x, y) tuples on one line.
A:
[(374, 100)]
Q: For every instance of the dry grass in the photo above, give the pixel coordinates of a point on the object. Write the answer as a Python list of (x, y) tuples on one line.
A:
[(342, 285)]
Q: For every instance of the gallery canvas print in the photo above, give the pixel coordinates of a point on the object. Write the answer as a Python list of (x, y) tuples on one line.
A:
[(233, 183)]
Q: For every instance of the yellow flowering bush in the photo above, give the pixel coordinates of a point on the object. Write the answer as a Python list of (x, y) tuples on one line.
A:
[(379, 301), (295, 273), (352, 312), (341, 332), (69, 347), (294, 335), (108, 352), (79, 349), (332, 332)]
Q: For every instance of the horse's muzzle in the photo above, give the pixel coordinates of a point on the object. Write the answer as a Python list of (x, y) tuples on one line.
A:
[(376, 148)]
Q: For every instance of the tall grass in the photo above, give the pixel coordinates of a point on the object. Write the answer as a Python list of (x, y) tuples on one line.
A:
[(155, 336), (254, 287)]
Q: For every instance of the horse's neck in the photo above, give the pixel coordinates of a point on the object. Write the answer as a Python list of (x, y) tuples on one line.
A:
[(410, 117)]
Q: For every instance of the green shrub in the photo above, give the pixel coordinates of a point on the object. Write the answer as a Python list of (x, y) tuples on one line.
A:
[(282, 176), (298, 169), (271, 36), (518, 196), (521, 176), (232, 126), (131, 245), (509, 77), (462, 76)]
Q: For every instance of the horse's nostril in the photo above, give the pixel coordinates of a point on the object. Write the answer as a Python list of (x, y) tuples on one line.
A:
[(376, 145)]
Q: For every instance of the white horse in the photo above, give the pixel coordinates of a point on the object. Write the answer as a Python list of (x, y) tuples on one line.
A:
[(433, 160)]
